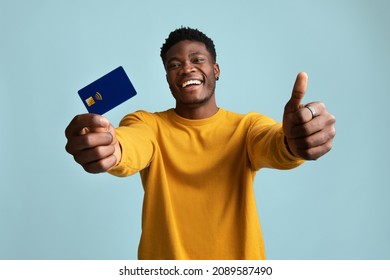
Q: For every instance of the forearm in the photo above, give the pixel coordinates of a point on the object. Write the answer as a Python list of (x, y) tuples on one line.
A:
[(268, 149)]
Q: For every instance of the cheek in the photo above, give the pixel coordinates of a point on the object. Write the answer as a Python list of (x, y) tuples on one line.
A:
[(170, 82), (170, 76), (173, 87), (211, 79)]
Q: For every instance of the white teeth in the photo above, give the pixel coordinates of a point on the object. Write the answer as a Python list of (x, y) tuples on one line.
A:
[(191, 82)]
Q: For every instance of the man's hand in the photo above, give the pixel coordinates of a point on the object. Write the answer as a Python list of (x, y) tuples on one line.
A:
[(309, 129), (92, 142)]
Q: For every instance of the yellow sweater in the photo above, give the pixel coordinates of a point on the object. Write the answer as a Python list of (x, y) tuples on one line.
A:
[(198, 177)]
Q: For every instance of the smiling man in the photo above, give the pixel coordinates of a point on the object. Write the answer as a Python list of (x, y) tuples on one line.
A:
[(191, 75), (198, 161)]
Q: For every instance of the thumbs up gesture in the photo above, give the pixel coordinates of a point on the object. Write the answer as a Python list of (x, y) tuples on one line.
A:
[(308, 128)]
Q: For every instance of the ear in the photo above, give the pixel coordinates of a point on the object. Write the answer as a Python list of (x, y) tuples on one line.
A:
[(217, 72)]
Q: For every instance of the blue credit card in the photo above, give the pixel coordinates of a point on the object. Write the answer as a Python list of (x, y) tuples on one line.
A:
[(107, 92)]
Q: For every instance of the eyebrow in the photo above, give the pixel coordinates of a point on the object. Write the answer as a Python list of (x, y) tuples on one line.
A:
[(191, 55), (196, 53)]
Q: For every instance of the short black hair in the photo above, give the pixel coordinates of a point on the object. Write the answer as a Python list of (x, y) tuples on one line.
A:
[(187, 33)]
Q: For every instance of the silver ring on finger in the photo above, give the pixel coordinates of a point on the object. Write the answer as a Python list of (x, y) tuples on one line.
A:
[(312, 111)]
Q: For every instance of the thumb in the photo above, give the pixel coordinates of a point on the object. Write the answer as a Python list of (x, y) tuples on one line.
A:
[(298, 93), (99, 124)]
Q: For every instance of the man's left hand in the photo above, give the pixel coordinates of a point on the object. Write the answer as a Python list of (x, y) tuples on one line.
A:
[(309, 128)]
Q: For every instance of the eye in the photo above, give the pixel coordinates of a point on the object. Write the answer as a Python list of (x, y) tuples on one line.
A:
[(198, 60), (173, 65)]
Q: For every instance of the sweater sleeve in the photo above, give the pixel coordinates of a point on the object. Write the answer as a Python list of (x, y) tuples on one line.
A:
[(137, 141), (266, 146)]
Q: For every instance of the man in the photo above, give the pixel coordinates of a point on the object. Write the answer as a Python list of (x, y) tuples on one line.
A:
[(197, 161)]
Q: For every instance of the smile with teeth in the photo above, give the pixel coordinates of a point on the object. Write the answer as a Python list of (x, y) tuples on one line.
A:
[(191, 82)]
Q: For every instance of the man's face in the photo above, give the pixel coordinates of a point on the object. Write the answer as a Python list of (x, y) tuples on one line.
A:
[(191, 73)]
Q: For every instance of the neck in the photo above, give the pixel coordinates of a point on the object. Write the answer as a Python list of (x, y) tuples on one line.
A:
[(197, 112)]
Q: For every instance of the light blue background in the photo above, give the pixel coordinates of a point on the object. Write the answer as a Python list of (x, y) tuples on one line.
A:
[(335, 208)]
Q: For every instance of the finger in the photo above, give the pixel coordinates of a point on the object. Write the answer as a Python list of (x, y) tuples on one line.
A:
[(299, 89), (95, 154), (309, 128), (111, 129), (305, 114), (315, 152), (317, 139), (88, 141), (101, 165), (84, 123)]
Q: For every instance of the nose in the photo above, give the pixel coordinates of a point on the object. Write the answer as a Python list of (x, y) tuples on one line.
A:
[(187, 68)]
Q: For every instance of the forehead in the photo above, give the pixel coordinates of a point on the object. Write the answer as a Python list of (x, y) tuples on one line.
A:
[(186, 48)]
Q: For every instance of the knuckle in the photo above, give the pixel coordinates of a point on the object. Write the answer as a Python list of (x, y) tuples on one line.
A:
[(332, 119), (300, 117), (79, 159), (329, 145), (328, 134), (318, 139), (68, 148), (332, 132), (322, 106), (67, 131), (77, 119)]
